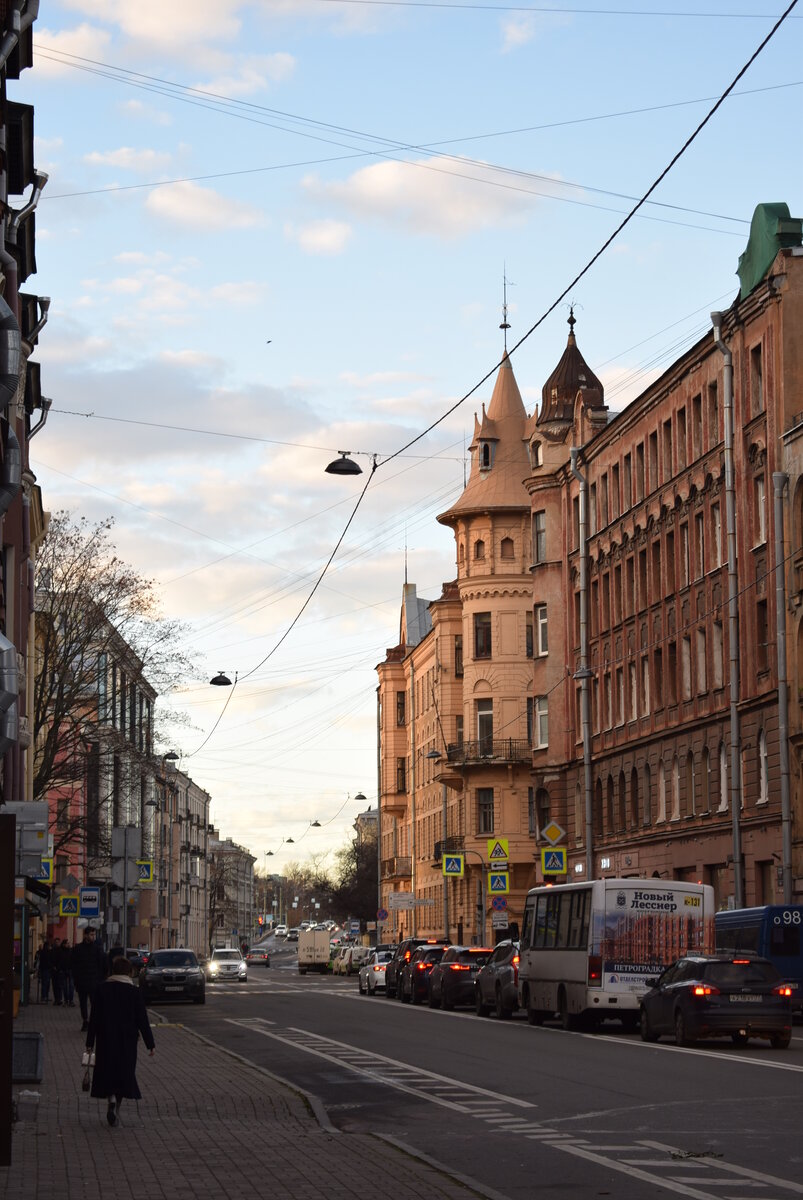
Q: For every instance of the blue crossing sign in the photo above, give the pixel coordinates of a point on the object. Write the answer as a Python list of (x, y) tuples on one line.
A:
[(454, 865), (68, 906), (498, 882), (553, 861)]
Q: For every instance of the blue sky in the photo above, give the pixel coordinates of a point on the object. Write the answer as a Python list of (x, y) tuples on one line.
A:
[(281, 227)]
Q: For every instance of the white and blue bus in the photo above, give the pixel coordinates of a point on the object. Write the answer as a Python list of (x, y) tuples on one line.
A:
[(587, 948), (775, 931)]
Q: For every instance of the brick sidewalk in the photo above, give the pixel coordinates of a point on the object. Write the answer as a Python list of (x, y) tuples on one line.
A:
[(209, 1124)]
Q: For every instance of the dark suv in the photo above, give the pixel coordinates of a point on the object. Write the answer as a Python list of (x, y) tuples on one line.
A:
[(413, 982), (401, 957), (721, 995)]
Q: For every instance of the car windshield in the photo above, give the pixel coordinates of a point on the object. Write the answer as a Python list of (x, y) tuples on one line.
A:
[(729, 974), (172, 958), (226, 955)]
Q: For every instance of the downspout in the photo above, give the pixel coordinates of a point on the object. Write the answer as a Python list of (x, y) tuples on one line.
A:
[(12, 35), (45, 406), (779, 482), (584, 674), (733, 614)]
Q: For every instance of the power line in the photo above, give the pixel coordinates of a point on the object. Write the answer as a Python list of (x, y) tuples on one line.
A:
[(543, 11)]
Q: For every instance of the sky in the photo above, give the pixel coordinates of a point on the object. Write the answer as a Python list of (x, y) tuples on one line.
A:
[(279, 229)]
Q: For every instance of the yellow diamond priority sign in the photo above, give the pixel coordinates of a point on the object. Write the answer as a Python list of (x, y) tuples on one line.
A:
[(553, 833)]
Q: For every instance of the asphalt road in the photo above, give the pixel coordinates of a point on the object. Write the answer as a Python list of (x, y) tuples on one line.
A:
[(524, 1110)]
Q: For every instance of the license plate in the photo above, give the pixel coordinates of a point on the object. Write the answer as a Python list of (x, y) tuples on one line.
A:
[(750, 999), (174, 987)]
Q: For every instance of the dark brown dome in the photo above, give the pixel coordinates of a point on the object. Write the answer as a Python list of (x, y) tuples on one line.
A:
[(571, 375)]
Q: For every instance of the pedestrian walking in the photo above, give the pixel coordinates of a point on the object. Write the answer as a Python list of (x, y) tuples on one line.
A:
[(88, 964), (45, 969), (63, 977), (118, 1019)]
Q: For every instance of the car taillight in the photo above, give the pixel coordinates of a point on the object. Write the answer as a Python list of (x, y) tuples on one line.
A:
[(594, 970), (741, 962), (421, 966), (783, 989), (460, 966), (407, 956), (703, 989), (380, 968)]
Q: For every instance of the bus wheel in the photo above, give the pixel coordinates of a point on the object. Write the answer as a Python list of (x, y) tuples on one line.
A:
[(567, 1020)]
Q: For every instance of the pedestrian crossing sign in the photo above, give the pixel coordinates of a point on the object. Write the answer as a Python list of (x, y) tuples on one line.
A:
[(497, 850), (45, 874), (454, 865), (553, 861), (145, 869), (68, 906), (498, 883)]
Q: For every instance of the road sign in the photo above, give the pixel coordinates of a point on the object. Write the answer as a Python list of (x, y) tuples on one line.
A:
[(553, 833), (145, 869), (68, 906), (499, 920), (499, 903), (89, 901), (401, 900), (381, 914), (125, 873), (497, 850), (498, 882), (454, 865), (553, 862), (45, 873)]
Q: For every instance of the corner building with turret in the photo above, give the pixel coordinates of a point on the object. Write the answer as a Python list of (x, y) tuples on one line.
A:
[(619, 568)]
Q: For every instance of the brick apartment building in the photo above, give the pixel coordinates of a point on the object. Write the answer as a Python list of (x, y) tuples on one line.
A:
[(603, 584)]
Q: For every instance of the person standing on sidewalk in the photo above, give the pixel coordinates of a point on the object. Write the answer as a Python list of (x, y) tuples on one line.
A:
[(117, 1021), (45, 969), (64, 967), (88, 964)]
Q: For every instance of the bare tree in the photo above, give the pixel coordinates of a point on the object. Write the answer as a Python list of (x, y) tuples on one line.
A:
[(89, 603)]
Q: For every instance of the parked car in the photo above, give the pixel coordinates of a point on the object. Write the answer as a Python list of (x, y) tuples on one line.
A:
[(172, 975), (496, 986), (227, 964), (718, 995), (138, 959), (414, 975), (339, 961), (357, 957), (257, 956), (401, 956), (451, 981), (372, 973)]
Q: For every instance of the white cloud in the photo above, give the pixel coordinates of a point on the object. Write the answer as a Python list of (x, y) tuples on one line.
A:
[(320, 237), (181, 26), (143, 161), (193, 360), (145, 112), (378, 378), (85, 41), (252, 74), (190, 205), (428, 196), (516, 32)]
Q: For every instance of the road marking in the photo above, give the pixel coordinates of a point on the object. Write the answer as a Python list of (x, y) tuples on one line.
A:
[(773, 1064), (744, 1172)]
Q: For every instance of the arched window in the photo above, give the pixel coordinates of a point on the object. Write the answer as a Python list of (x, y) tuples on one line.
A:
[(461, 553), (675, 789), (647, 794), (661, 793), (537, 454), (723, 779), (705, 779), (622, 801), (691, 807), (487, 455), (579, 815), (609, 812), (479, 548), (634, 813), (598, 809), (506, 548), (763, 770)]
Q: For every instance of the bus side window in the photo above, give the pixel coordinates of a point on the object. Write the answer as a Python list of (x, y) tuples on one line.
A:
[(785, 940), (527, 931), (539, 933), (566, 899)]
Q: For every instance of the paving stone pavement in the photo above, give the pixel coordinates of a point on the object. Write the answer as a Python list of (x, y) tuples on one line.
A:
[(209, 1125)]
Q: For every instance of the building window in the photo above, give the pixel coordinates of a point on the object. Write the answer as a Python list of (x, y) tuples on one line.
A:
[(717, 654), (675, 789), (618, 610), (713, 414), (603, 502), (642, 580), (702, 673), (401, 775), (705, 779), (681, 439), (482, 635), (506, 548), (528, 635), (699, 546), (487, 455), (658, 677), (542, 634), (672, 673), (539, 537), (485, 810), (630, 598), (458, 655), (615, 490), (661, 814), (685, 557), (530, 719), (716, 533), (723, 779), (645, 686), (762, 634), (627, 495), (670, 564), (485, 726), (620, 696), (697, 426), (685, 667), (537, 454), (401, 713), (479, 549), (541, 730), (640, 471), (653, 461), (608, 700), (760, 512), (458, 731), (756, 381), (763, 770), (667, 456)]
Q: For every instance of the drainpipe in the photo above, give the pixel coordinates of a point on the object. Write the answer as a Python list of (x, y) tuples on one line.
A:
[(44, 309), (12, 34), (45, 406), (779, 482), (733, 614), (584, 674)]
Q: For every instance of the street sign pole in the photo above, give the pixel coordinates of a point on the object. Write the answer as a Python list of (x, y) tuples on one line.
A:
[(125, 887)]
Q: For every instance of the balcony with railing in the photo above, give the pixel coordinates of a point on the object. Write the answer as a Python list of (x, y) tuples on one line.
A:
[(454, 844), (495, 750), (397, 868)]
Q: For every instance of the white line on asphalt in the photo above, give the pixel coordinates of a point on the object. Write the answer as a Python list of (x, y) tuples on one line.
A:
[(744, 1172), (773, 1064), (633, 1172)]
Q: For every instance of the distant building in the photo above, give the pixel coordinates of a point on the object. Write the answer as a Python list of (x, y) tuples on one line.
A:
[(232, 911)]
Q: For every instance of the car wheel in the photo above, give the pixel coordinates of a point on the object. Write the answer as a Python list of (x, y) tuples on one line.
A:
[(446, 1006), (780, 1041), (681, 1033), (501, 1011), (481, 1008), (647, 1034), (360, 988), (405, 999), (739, 1039)]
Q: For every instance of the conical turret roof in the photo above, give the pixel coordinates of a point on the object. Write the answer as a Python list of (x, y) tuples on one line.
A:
[(571, 375), (502, 429)]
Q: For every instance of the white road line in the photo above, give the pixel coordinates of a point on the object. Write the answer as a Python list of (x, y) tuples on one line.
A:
[(773, 1064), (634, 1173), (745, 1172)]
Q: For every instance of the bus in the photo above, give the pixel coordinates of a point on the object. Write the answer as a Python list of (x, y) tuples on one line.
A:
[(775, 931), (587, 949)]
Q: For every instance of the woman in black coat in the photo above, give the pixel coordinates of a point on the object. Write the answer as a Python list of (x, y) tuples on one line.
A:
[(117, 1019)]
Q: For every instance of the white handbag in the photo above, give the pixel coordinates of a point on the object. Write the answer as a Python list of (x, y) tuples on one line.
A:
[(88, 1058)]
